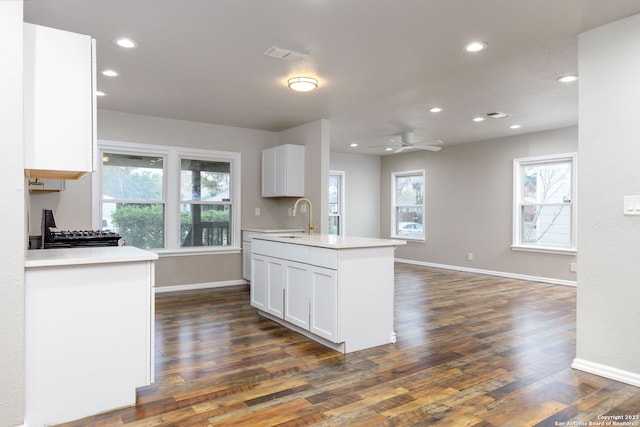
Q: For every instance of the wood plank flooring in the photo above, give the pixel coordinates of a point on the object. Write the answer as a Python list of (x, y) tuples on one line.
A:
[(472, 350)]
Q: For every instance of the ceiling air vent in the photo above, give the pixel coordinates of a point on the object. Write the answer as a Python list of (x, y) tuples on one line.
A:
[(497, 115), (284, 54)]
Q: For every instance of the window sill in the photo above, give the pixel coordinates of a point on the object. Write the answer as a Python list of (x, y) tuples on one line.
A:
[(410, 239), (192, 252), (545, 250)]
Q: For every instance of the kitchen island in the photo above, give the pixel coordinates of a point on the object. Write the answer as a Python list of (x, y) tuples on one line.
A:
[(89, 327), (336, 290)]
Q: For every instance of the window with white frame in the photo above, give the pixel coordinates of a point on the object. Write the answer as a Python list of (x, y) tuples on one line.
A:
[(408, 204), (169, 198), (545, 203), (336, 204)]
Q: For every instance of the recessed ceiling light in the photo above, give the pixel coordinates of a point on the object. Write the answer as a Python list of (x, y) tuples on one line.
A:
[(388, 149), (109, 73), (353, 145), (302, 84), (478, 119), (100, 93), (126, 42), (436, 110), (515, 127), (567, 79), (475, 46)]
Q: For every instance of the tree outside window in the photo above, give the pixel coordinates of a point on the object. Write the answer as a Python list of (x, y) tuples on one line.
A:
[(545, 202)]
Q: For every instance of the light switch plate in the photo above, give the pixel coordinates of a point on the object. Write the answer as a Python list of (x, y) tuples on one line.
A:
[(632, 205)]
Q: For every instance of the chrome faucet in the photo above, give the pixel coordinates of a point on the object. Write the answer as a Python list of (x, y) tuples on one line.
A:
[(312, 226)]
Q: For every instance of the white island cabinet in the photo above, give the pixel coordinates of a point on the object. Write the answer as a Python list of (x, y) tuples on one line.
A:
[(336, 290), (89, 328)]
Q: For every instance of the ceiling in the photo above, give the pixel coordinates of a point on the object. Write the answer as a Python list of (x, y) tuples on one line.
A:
[(381, 64)]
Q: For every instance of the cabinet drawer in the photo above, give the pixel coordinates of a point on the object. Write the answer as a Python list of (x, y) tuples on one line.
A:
[(321, 257), (272, 249)]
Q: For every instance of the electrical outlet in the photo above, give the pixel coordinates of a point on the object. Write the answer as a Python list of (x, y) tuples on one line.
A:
[(470, 256), (290, 211), (257, 211), (573, 267), (303, 208)]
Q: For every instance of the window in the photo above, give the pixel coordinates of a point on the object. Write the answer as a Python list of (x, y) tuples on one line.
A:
[(336, 192), (545, 211), (133, 202), (408, 205), (205, 205), (168, 198)]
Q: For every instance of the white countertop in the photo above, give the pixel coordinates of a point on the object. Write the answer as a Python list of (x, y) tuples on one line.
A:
[(90, 255), (274, 230), (330, 241)]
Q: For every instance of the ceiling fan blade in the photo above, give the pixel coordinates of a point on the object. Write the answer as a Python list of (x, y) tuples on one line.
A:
[(427, 147)]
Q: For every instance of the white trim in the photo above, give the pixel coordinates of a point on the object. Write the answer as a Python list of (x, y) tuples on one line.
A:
[(341, 204), (606, 371), (199, 286), (172, 156), (394, 204), (518, 163), (491, 272)]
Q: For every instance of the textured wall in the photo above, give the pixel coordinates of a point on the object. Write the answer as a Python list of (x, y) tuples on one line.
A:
[(609, 156), (12, 217), (469, 204)]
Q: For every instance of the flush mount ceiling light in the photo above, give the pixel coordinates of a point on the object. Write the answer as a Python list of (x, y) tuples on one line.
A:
[(478, 119), (353, 145), (109, 73), (436, 110), (125, 42), (515, 127), (302, 84), (475, 46), (567, 79), (100, 93)]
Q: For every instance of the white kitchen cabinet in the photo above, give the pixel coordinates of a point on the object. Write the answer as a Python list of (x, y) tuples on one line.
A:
[(89, 331), (59, 103), (323, 320), (337, 290), (283, 171), (296, 292), (268, 285), (247, 235)]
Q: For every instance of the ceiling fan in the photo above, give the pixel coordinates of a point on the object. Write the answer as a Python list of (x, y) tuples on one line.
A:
[(407, 141)]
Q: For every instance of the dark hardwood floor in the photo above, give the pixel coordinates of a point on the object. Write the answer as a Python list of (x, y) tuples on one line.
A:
[(472, 350)]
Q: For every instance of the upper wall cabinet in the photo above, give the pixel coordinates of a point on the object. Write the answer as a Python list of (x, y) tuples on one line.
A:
[(59, 103), (283, 171)]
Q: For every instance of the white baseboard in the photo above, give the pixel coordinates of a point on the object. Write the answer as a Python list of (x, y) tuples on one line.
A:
[(490, 272), (198, 286), (607, 372)]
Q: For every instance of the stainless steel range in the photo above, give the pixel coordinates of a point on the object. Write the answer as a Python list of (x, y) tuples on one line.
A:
[(75, 238)]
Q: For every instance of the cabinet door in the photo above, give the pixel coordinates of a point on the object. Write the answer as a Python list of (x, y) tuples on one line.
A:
[(297, 294), (59, 103), (259, 279), (324, 303), (246, 259), (275, 287), (269, 173)]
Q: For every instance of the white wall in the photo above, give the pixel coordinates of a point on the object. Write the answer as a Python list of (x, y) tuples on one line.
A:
[(469, 205), (608, 327), (362, 192), (12, 217)]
